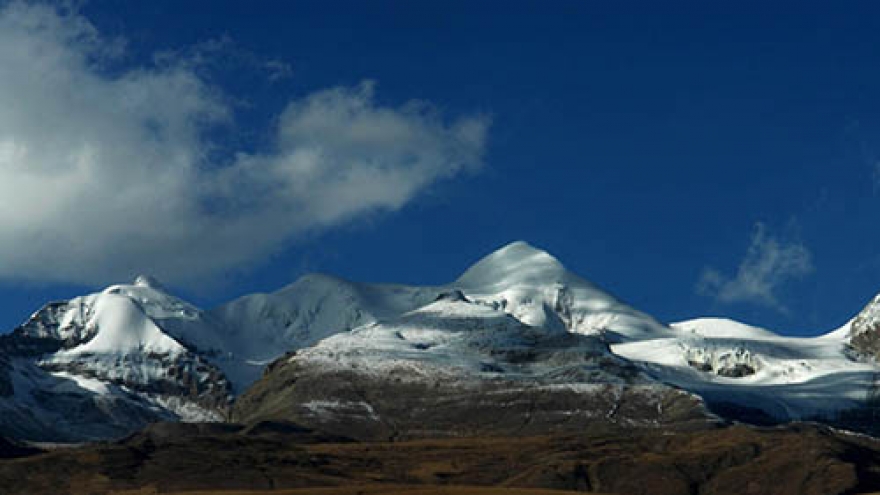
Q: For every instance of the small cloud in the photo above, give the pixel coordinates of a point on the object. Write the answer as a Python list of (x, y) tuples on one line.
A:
[(768, 264)]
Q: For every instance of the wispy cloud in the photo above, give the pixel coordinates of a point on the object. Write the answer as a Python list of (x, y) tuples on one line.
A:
[(107, 172), (768, 264)]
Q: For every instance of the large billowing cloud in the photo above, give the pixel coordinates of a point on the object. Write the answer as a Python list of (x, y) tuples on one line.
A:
[(768, 264), (107, 171)]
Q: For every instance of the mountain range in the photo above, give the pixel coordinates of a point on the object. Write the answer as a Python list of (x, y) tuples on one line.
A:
[(516, 345)]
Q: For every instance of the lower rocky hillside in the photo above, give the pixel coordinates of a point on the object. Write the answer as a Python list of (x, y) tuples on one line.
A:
[(797, 459), (458, 368)]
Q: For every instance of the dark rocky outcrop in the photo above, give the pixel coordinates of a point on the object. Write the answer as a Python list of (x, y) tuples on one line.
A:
[(738, 370)]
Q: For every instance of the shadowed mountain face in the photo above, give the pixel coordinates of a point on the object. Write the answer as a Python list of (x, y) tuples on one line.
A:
[(800, 459)]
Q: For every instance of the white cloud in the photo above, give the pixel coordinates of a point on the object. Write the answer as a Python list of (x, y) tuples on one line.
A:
[(769, 263), (104, 173)]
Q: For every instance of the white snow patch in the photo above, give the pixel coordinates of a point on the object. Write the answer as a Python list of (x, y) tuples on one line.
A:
[(122, 327), (327, 408), (90, 384)]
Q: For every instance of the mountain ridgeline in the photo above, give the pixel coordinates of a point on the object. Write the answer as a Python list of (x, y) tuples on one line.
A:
[(517, 345)]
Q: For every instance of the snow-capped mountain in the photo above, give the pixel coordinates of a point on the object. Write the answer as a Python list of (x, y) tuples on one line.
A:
[(516, 343), (107, 363), (103, 364), (535, 288), (511, 322)]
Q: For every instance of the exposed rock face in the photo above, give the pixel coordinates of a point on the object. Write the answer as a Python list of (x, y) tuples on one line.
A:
[(61, 323), (734, 363), (865, 330), (186, 377)]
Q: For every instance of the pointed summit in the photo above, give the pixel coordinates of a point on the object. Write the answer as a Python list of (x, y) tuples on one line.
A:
[(535, 288), (516, 262)]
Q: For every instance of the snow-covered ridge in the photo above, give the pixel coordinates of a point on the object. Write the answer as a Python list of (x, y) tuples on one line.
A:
[(459, 340), (518, 280), (785, 377)]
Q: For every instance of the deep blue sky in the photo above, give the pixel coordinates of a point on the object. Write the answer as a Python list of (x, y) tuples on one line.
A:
[(639, 142)]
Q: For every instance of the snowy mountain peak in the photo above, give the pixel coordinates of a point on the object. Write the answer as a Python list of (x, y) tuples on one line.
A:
[(535, 288), (515, 262)]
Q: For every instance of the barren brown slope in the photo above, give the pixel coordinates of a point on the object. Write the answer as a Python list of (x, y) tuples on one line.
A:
[(382, 490), (799, 459)]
